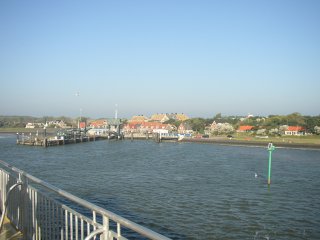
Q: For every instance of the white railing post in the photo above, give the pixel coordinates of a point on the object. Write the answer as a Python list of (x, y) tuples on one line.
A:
[(105, 222)]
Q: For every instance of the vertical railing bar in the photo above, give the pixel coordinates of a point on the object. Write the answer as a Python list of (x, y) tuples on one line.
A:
[(105, 222), (71, 226), (36, 213), (76, 227), (118, 229), (9, 206), (1, 185), (33, 216), (94, 218), (28, 212), (50, 218), (66, 223), (88, 228), (45, 210), (55, 220), (62, 223), (40, 214), (82, 230), (19, 215)]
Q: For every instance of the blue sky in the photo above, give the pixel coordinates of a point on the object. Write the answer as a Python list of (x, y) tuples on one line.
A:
[(196, 57)]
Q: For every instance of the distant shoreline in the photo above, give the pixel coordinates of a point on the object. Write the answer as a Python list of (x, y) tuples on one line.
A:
[(215, 140), (236, 142)]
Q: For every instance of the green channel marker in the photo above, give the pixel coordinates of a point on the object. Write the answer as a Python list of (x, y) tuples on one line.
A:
[(271, 148)]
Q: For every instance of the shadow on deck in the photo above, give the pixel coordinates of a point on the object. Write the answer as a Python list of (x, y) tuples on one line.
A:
[(9, 232)]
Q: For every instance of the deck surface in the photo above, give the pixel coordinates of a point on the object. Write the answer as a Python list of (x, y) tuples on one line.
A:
[(9, 232)]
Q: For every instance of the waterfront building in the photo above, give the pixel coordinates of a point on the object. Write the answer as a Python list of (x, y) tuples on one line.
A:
[(139, 118), (185, 128), (148, 127), (295, 130), (163, 117), (245, 128), (101, 123)]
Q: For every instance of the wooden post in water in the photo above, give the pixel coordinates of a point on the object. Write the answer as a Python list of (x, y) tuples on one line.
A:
[(45, 142), (270, 149)]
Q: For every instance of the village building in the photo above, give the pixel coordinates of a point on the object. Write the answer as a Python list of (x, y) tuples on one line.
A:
[(56, 124), (34, 125), (245, 128), (181, 117), (159, 118), (163, 117), (132, 127), (139, 118), (148, 127), (101, 123), (185, 128), (295, 130)]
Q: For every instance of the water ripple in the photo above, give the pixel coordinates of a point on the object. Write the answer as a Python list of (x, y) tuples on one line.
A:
[(187, 191)]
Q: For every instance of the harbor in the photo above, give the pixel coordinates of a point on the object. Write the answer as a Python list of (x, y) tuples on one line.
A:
[(173, 188)]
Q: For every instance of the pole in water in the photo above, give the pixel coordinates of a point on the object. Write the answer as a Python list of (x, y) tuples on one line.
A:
[(270, 149)]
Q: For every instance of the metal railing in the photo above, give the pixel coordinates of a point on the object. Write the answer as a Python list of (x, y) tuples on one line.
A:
[(42, 211)]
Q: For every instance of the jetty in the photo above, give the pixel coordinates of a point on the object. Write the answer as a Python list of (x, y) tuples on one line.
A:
[(62, 138)]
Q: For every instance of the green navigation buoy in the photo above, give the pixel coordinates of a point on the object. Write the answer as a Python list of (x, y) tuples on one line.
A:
[(270, 149)]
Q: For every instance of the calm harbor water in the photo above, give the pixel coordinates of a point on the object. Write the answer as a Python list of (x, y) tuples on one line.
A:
[(186, 190)]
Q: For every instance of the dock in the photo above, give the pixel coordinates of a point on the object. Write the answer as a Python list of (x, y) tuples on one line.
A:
[(60, 138), (48, 142)]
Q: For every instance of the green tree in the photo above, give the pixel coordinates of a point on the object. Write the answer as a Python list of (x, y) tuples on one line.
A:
[(197, 124), (173, 122)]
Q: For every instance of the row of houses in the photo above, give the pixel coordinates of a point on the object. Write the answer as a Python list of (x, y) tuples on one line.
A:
[(288, 130), (151, 127), (54, 124), (162, 117)]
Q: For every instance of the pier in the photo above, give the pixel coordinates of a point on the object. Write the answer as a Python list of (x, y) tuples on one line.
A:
[(56, 141)]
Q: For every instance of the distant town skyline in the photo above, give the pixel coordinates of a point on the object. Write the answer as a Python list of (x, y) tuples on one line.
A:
[(144, 57)]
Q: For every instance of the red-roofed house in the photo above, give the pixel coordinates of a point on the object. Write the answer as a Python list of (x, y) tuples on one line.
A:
[(132, 127), (98, 124), (295, 130), (245, 128), (147, 127)]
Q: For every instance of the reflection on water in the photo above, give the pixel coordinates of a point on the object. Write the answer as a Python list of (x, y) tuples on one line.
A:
[(183, 190)]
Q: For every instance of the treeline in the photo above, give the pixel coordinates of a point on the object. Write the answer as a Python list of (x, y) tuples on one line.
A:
[(197, 124), (21, 121), (259, 122)]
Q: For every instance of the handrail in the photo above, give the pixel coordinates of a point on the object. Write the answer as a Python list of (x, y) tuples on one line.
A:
[(94, 233), (4, 210), (123, 221)]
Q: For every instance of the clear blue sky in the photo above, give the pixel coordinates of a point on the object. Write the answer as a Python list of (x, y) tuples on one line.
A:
[(197, 57)]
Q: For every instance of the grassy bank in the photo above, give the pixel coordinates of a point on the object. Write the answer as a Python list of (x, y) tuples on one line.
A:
[(247, 140), (27, 130), (311, 139)]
